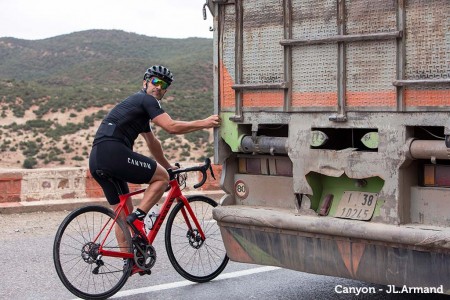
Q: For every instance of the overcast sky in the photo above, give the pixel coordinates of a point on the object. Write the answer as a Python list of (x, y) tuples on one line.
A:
[(39, 19)]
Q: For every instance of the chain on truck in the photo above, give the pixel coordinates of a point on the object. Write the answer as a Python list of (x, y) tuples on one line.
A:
[(335, 115)]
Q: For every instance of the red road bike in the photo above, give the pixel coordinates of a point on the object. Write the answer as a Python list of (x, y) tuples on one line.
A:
[(92, 265)]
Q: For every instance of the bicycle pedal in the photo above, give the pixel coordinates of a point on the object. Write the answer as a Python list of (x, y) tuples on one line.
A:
[(137, 270), (148, 272)]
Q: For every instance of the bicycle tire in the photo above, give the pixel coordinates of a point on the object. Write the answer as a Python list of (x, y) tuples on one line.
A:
[(75, 258), (194, 260)]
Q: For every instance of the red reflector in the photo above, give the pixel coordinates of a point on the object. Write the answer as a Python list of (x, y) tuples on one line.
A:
[(442, 175), (436, 175), (253, 165), (326, 205), (428, 176), (284, 167)]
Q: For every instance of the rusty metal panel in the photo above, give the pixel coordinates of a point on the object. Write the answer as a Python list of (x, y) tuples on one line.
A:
[(427, 39), (228, 38), (261, 188), (313, 19), (371, 66), (314, 74), (314, 67), (227, 61), (427, 51), (371, 69), (320, 254), (430, 206), (263, 30), (365, 17)]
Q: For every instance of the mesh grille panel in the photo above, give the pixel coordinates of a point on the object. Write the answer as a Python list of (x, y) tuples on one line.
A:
[(309, 23), (314, 73), (427, 39), (228, 39), (427, 50), (370, 73), (263, 29), (364, 17), (227, 94)]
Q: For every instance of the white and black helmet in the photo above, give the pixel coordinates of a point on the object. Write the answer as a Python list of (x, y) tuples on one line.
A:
[(160, 72)]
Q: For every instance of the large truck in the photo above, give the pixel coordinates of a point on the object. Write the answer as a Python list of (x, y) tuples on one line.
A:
[(333, 145)]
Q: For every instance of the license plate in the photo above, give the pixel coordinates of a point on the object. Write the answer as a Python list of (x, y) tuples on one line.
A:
[(357, 205)]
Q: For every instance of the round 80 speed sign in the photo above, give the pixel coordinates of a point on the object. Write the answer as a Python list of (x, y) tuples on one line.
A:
[(241, 189)]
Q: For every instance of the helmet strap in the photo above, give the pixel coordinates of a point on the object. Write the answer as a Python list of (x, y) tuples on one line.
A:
[(146, 86)]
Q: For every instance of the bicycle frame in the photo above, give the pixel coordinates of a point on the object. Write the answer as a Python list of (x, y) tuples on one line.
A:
[(174, 193)]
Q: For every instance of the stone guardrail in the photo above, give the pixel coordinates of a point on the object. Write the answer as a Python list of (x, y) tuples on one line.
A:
[(59, 184)]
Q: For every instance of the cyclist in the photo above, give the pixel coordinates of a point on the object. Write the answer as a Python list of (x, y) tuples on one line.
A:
[(112, 149)]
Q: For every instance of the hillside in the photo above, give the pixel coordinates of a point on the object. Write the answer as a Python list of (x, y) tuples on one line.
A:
[(54, 92)]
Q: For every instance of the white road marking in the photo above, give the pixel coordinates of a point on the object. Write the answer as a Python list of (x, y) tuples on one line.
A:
[(178, 284)]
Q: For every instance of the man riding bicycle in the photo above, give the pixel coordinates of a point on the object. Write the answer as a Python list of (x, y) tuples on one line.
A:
[(112, 149)]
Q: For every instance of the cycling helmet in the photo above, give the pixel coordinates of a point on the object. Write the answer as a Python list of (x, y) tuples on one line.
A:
[(160, 72)]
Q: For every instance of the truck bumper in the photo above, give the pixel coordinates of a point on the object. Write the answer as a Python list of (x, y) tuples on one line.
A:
[(379, 253)]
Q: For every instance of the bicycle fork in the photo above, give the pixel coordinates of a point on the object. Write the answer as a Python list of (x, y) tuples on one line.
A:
[(196, 236)]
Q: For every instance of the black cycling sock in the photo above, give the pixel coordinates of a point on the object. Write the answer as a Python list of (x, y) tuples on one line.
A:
[(135, 215), (140, 214)]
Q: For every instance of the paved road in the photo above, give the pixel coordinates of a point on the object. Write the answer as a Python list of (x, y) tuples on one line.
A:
[(27, 272)]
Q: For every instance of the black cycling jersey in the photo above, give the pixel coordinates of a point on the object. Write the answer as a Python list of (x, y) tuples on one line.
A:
[(128, 119), (113, 143)]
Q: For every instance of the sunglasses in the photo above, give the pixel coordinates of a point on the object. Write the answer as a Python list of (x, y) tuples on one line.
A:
[(156, 81)]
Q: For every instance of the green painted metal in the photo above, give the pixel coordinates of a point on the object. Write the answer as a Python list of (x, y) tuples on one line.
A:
[(371, 140), (230, 132), (378, 263), (323, 185), (255, 252), (318, 138)]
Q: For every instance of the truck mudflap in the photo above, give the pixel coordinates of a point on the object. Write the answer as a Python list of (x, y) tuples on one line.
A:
[(398, 255)]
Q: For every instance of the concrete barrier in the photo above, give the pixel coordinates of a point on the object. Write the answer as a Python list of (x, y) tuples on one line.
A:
[(59, 186)]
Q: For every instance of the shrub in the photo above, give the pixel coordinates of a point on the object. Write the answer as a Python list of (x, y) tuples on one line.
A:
[(29, 163)]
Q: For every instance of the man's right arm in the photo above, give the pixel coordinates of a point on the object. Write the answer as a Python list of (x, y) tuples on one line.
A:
[(180, 127)]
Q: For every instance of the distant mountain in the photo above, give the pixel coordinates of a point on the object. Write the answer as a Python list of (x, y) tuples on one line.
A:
[(99, 56), (55, 91)]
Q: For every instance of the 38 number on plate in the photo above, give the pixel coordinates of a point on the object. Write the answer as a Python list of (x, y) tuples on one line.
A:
[(357, 205)]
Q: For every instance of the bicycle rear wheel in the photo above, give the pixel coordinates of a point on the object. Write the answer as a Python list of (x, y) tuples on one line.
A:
[(195, 260), (81, 269)]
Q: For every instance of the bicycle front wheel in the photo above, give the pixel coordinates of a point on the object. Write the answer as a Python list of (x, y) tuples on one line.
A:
[(82, 270), (193, 258)]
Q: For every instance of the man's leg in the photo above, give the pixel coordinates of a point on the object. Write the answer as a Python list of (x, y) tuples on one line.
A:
[(155, 190), (152, 195), (119, 233)]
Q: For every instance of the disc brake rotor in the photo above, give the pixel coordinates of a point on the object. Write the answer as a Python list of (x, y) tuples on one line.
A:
[(195, 240), (89, 252)]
